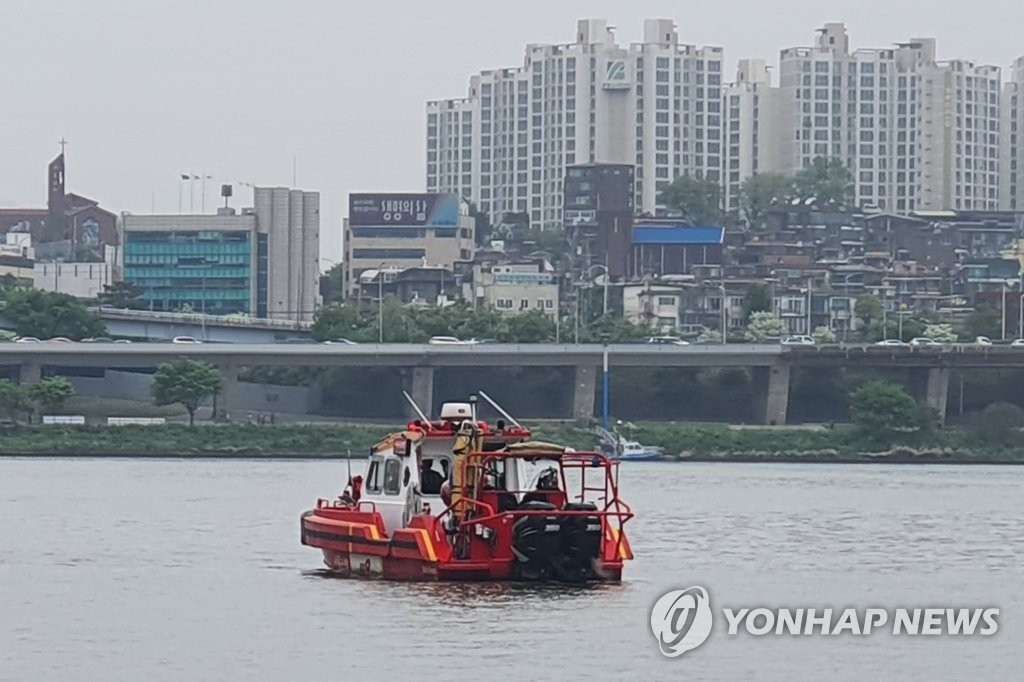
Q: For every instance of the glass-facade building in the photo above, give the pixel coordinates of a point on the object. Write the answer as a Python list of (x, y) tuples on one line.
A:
[(200, 271)]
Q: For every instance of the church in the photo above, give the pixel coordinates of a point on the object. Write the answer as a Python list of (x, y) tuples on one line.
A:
[(70, 228)]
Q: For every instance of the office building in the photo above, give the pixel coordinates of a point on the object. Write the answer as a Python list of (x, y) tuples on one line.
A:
[(598, 214), (515, 287), (261, 262), (506, 146), (402, 231)]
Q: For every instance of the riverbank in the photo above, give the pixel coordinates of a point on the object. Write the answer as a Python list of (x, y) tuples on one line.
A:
[(683, 442)]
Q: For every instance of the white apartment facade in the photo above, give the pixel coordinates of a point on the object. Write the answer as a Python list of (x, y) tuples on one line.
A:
[(749, 140), (1011, 191), (656, 103), (916, 134)]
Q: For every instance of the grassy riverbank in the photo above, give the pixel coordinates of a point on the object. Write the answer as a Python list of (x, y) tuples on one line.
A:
[(692, 442)]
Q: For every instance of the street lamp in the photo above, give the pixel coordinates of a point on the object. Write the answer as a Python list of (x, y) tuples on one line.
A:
[(721, 287), (380, 304), (604, 310)]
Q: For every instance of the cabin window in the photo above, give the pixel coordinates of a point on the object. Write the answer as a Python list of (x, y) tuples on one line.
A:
[(392, 476), (375, 476), (433, 474)]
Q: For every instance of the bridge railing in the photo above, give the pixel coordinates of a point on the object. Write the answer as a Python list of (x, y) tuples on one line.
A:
[(200, 318)]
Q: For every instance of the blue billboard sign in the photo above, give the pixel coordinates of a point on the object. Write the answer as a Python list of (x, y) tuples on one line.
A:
[(406, 210)]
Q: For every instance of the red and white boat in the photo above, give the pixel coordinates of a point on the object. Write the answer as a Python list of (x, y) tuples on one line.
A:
[(459, 499)]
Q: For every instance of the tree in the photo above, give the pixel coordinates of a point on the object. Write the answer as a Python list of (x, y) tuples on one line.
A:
[(188, 382), (765, 326), (868, 309), (51, 393), (880, 408), (121, 295), (697, 199), (46, 314), (943, 333), (825, 181), (984, 321), (760, 192), (710, 336), (15, 400), (999, 423), (758, 300), (823, 335)]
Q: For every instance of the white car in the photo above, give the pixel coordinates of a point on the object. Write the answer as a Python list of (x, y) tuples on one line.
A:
[(27, 339), (890, 342), (59, 339), (667, 341), (983, 341), (448, 341), (340, 342), (800, 340), (1018, 343), (185, 339), (922, 341)]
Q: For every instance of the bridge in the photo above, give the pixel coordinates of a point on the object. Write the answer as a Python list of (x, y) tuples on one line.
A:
[(157, 326), (770, 364)]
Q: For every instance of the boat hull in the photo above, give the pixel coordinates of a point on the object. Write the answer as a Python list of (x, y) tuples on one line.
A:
[(354, 546)]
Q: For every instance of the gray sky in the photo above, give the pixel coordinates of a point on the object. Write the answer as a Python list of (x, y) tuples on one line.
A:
[(147, 89)]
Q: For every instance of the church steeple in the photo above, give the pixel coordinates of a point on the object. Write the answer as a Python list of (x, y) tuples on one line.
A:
[(56, 201)]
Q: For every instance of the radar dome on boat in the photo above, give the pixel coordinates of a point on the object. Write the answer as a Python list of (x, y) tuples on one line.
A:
[(456, 411)]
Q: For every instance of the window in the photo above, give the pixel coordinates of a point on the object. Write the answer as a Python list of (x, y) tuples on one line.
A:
[(524, 304), (392, 473), (666, 300), (375, 476), (503, 304)]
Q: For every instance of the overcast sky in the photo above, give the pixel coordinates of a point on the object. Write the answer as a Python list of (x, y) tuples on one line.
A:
[(145, 90)]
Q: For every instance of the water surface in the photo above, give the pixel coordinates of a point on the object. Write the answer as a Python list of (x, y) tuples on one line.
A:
[(192, 570)]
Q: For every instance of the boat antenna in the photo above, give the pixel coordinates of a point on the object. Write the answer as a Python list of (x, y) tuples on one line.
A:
[(502, 412), (348, 461), (416, 407)]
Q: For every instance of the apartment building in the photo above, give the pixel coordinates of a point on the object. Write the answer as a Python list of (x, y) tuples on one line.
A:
[(656, 104)]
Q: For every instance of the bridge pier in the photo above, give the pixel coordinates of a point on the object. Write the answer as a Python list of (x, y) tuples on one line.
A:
[(771, 394), (30, 373), (419, 383), (229, 388), (584, 392), (937, 391)]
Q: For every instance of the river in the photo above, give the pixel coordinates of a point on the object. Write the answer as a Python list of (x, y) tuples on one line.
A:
[(165, 570)]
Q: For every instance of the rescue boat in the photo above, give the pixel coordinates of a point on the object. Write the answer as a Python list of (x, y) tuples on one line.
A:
[(460, 499)]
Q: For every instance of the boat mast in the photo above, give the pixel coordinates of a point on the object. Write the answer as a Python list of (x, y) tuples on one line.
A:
[(502, 412), (416, 407)]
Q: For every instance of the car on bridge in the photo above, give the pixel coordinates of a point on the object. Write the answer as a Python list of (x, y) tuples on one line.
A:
[(449, 341), (799, 340), (891, 342), (185, 339), (667, 341), (27, 339), (924, 341)]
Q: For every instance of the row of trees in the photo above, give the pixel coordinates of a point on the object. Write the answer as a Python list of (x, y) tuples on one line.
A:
[(187, 383), (20, 402), (46, 314), (409, 324), (699, 200)]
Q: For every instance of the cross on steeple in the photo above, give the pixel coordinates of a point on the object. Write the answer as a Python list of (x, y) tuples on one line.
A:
[(63, 143)]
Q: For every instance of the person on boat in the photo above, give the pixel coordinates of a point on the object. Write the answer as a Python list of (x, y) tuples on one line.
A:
[(352, 491), (431, 480), (547, 487)]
